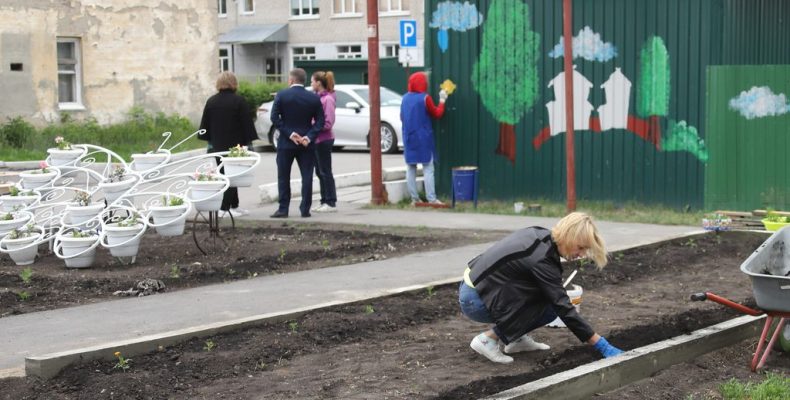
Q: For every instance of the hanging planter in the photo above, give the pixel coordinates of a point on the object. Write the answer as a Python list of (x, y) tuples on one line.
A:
[(79, 215), (77, 248), (237, 166), (123, 239), (17, 199), (37, 178), (13, 220), (169, 219), (147, 161), (21, 246), (116, 184), (58, 157), (206, 195)]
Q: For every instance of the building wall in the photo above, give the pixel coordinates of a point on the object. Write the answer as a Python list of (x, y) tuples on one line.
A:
[(325, 32), (157, 54)]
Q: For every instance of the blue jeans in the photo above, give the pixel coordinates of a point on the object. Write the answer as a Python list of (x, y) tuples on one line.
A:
[(428, 181), (473, 307), (323, 169)]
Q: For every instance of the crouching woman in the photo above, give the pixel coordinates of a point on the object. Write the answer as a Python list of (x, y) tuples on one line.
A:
[(517, 286)]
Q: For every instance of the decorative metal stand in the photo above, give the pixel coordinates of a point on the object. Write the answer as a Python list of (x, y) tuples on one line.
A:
[(216, 238)]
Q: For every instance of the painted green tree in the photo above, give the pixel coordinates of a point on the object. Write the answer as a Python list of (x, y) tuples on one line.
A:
[(654, 89), (505, 75)]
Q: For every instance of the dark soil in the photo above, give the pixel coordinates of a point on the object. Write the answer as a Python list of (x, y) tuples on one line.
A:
[(266, 248), (416, 345)]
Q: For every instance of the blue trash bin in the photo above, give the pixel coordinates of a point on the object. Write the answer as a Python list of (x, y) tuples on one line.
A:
[(465, 184)]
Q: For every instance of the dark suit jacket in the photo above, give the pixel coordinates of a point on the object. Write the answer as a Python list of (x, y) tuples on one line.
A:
[(297, 110), (227, 121)]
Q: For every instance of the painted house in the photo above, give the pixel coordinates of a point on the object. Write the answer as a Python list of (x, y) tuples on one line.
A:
[(97, 59), (263, 39), (684, 103)]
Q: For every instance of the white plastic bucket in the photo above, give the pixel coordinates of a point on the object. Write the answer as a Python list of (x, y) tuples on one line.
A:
[(576, 299)]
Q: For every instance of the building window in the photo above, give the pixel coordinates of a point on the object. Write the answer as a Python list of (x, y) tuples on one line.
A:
[(303, 53), (224, 59), (69, 72), (248, 6), (354, 51), (302, 8), (341, 7), (393, 6), (390, 50), (222, 8)]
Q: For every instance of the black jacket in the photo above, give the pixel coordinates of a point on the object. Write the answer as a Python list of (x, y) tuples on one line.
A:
[(227, 121), (521, 275), (297, 110)]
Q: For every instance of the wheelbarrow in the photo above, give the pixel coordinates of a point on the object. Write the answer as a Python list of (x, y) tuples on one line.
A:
[(769, 270)]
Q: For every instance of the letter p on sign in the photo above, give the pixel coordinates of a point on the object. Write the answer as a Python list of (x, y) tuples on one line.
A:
[(408, 33)]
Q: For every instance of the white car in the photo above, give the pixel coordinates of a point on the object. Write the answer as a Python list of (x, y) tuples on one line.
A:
[(352, 119)]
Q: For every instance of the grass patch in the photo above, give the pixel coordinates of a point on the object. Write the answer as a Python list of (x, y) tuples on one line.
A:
[(600, 210), (138, 133), (774, 386)]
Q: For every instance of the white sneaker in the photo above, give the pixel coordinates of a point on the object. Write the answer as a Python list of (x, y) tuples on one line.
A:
[(325, 208), (240, 211), (489, 348), (525, 343), (437, 202), (232, 212)]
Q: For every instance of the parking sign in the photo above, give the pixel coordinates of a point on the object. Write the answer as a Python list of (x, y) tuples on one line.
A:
[(408, 33)]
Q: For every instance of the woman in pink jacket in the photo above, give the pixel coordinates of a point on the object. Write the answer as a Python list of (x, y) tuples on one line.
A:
[(323, 84)]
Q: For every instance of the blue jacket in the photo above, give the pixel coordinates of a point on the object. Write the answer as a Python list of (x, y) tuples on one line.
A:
[(297, 110)]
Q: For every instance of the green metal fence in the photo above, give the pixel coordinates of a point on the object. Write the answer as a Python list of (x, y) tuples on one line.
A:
[(749, 142), (660, 45)]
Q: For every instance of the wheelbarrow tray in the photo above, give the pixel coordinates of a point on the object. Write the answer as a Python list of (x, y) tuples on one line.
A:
[(769, 270)]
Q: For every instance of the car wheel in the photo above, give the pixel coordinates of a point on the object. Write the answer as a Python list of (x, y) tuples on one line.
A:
[(274, 136), (389, 139)]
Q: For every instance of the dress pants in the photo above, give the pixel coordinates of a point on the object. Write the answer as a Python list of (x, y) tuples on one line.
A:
[(305, 158)]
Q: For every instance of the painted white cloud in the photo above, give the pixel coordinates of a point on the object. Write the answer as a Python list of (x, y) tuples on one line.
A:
[(587, 45), (760, 102), (456, 16)]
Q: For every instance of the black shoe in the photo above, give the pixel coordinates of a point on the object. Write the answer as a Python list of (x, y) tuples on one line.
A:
[(305, 215), (279, 214)]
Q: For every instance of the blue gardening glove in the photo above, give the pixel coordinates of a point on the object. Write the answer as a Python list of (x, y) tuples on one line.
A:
[(606, 349)]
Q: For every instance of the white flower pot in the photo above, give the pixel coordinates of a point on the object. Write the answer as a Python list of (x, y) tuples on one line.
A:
[(121, 240), (35, 180), (114, 190), (21, 250), (238, 170), (16, 203), (206, 195), (20, 219), (59, 157), (169, 220), (144, 162), (80, 215), (75, 250)]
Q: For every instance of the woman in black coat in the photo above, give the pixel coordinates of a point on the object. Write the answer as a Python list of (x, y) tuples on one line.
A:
[(228, 122), (517, 285)]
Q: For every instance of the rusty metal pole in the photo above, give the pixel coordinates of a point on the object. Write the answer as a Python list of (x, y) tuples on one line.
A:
[(376, 185), (570, 159)]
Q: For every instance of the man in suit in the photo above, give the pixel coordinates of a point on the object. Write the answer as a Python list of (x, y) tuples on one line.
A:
[(299, 116)]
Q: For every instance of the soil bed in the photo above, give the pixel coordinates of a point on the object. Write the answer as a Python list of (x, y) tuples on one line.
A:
[(263, 248), (416, 345)]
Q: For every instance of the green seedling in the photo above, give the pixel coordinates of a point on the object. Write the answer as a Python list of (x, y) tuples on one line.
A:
[(209, 345), (294, 326), (23, 295), (26, 275), (369, 309), (175, 272), (431, 291)]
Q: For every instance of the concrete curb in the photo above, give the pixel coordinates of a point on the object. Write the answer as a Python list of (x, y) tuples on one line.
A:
[(49, 365), (269, 193), (611, 373)]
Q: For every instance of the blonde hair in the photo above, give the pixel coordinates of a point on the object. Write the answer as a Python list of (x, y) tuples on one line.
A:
[(327, 80), (577, 228), (227, 81)]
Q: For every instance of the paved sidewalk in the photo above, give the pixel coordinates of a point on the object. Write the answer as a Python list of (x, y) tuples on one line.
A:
[(57, 330)]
